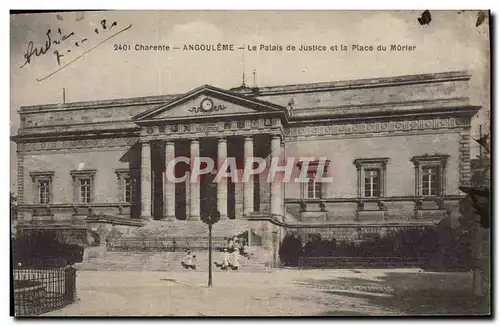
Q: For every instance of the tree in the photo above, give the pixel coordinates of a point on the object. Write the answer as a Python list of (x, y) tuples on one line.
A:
[(476, 206), (478, 216), (13, 207)]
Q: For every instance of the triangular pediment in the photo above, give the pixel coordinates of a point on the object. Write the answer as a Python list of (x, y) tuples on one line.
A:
[(208, 101)]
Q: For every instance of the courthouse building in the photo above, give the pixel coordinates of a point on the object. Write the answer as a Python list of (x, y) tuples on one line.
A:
[(397, 149)]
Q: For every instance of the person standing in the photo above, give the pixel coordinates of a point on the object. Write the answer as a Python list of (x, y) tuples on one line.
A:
[(225, 259), (230, 245), (235, 263)]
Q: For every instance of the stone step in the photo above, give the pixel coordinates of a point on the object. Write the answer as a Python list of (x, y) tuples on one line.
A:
[(170, 261), (144, 260), (166, 230), (194, 228)]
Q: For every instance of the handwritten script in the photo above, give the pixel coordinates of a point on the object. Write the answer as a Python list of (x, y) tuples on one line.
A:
[(61, 44)]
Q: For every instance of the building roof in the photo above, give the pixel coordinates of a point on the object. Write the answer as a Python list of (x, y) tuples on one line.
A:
[(266, 91)]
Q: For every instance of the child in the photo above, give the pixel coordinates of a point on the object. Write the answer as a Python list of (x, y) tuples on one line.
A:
[(244, 250), (189, 261), (235, 263), (193, 266), (225, 259)]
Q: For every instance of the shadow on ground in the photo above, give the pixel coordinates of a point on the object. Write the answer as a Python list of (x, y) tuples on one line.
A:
[(415, 293), (343, 313)]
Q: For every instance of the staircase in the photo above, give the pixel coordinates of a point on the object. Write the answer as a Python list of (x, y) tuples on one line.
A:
[(224, 228), (164, 261), (151, 247), (167, 235)]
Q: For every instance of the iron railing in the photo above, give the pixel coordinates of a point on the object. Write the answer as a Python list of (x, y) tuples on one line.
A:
[(39, 290), (170, 244)]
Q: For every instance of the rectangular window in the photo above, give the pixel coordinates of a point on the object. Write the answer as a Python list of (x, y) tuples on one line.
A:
[(83, 186), (42, 187), (313, 187), (85, 191), (127, 185), (430, 174), (129, 189), (372, 183), (43, 192), (430, 181), (372, 174)]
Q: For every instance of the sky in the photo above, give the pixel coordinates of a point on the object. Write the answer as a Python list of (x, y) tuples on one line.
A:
[(450, 42)]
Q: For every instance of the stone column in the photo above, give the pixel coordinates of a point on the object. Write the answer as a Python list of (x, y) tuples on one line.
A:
[(146, 181), (222, 184), (248, 185), (169, 194), (194, 211), (187, 194), (276, 196)]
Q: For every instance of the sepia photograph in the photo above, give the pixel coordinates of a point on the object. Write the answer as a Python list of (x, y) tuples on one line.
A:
[(230, 163)]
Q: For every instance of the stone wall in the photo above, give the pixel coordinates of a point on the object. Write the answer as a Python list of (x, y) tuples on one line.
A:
[(399, 149), (103, 160)]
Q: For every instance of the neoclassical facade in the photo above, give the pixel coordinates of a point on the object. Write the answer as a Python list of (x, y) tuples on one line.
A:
[(396, 149)]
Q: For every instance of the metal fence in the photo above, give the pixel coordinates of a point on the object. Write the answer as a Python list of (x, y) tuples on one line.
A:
[(39, 290)]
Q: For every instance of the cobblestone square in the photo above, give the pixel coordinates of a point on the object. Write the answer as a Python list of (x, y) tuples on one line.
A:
[(279, 293)]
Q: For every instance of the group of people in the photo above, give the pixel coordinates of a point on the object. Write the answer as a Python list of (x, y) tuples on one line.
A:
[(230, 255)]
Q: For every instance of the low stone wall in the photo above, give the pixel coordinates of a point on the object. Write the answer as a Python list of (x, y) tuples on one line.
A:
[(342, 233)]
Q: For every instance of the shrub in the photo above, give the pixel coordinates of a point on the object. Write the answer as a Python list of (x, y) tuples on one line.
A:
[(443, 247), (42, 248), (290, 250)]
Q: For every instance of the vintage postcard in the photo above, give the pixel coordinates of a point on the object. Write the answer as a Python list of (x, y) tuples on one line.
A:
[(250, 163)]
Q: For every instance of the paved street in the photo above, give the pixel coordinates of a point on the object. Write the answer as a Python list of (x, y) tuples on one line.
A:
[(279, 293)]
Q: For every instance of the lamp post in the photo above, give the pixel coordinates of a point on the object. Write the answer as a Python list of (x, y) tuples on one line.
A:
[(210, 219)]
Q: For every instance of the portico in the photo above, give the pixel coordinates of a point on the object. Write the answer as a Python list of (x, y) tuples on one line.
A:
[(209, 122)]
